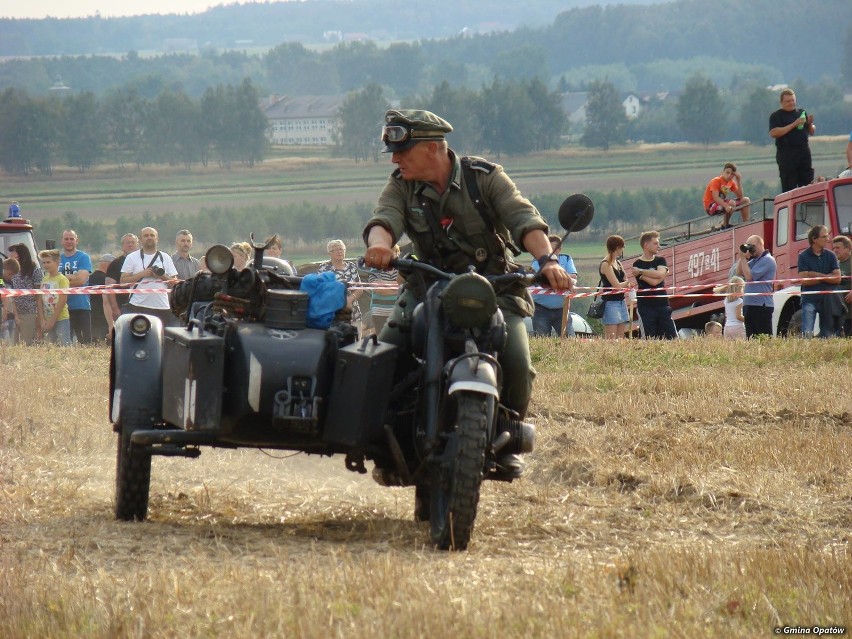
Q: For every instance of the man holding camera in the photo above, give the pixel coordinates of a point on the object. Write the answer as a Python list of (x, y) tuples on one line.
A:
[(757, 266), (148, 268)]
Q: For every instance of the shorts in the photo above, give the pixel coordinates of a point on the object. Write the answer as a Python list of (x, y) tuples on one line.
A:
[(716, 209), (615, 312)]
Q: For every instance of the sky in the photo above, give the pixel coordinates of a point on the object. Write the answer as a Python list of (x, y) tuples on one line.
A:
[(106, 8)]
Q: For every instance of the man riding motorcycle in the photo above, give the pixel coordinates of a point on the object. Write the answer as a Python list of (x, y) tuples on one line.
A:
[(460, 212)]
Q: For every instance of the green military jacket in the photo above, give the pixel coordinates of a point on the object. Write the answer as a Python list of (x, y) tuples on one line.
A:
[(403, 207)]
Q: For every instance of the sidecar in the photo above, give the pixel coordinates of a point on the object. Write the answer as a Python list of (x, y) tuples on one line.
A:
[(236, 377)]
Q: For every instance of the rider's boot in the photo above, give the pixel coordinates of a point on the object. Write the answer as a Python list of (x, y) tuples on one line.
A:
[(509, 466)]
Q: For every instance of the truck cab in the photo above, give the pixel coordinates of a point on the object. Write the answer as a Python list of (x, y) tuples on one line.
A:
[(17, 230), (701, 256)]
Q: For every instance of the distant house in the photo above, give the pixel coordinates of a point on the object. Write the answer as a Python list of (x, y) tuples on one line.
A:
[(309, 120), (59, 87), (574, 106), (632, 106)]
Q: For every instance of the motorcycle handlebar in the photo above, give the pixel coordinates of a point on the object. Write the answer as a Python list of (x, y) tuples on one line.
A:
[(407, 265)]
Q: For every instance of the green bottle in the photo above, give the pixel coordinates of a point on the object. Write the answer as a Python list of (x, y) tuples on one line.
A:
[(803, 118)]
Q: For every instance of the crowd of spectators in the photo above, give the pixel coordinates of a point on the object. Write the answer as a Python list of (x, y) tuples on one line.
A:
[(89, 318)]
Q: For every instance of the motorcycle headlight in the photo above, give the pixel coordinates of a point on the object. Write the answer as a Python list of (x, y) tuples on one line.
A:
[(469, 300), (219, 259), (140, 325)]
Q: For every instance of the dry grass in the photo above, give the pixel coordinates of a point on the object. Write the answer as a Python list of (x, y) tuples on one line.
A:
[(690, 489)]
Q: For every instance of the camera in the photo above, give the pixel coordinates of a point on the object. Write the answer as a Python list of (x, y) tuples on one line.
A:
[(747, 248), (159, 271)]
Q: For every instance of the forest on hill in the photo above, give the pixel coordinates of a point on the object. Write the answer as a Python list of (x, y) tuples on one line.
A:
[(649, 48), (267, 24)]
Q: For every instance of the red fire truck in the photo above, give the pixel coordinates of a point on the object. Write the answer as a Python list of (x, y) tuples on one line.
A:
[(700, 256)]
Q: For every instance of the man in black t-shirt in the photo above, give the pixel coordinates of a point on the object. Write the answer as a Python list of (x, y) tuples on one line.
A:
[(101, 325), (650, 271), (791, 127), (129, 244)]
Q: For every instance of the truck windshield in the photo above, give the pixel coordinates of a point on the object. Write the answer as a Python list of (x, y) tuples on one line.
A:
[(843, 203), (808, 215), (17, 237)]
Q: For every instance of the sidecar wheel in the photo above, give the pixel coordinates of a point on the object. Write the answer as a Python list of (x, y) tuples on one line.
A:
[(132, 478), (454, 494)]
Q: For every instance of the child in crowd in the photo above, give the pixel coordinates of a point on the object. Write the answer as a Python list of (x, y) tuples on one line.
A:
[(384, 299), (11, 268), (713, 329), (734, 321), (57, 320)]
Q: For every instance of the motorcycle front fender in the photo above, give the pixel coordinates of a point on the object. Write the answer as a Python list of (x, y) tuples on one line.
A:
[(135, 378), (475, 375)]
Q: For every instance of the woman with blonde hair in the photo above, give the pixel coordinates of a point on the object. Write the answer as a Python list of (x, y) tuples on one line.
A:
[(734, 321), (242, 254), (613, 276)]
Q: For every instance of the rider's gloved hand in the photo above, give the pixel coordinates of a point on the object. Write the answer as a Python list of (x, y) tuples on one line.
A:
[(379, 257)]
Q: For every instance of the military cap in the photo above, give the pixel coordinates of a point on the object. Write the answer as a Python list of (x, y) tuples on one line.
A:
[(406, 127)]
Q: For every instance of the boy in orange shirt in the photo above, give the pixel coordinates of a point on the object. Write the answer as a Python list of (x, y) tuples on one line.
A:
[(717, 195)]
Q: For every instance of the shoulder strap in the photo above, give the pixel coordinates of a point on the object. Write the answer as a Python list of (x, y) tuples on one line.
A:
[(602, 282), (153, 259), (468, 165)]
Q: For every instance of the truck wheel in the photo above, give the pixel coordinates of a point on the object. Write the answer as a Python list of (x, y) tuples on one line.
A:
[(454, 494), (132, 478)]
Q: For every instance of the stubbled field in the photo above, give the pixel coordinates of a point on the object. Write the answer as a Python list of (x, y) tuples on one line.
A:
[(689, 489)]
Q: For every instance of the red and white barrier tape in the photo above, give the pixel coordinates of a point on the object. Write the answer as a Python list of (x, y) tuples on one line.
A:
[(579, 291), (79, 290)]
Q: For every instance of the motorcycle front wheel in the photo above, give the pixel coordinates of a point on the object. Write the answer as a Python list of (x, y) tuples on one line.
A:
[(454, 494), (132, 477)]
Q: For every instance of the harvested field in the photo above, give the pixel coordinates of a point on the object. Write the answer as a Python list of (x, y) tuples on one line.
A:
[(689, 489), (108, 192)]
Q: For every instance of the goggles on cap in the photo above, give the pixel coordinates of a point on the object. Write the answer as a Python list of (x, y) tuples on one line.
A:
[(395, 134), (401, 134)]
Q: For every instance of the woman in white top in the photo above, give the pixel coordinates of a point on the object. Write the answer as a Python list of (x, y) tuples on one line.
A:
[(734, 325)]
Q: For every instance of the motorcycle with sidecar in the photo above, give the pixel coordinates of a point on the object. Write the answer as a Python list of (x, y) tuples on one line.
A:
[(249, 366)]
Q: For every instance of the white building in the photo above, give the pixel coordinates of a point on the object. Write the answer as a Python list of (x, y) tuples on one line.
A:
[(632, 106), (302, 120)]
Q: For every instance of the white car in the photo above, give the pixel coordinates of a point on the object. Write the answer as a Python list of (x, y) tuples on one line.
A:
[(581, 325)]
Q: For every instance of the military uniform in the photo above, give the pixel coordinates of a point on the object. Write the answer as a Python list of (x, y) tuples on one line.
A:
[(448, 231)]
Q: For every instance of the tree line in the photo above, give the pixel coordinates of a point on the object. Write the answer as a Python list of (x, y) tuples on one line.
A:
[(225, 125), (707, 114), (503, 118), (510, 117), (637, 48), (640, 48)]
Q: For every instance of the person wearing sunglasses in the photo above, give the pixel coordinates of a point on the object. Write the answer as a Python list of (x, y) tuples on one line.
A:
[(459, 212)]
